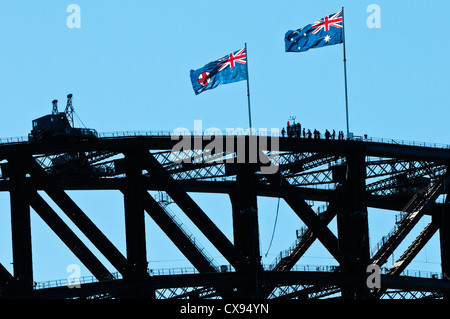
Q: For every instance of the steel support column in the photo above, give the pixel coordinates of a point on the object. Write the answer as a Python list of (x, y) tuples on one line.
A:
[(444, 235), (352, 222), (246, 230), (20, 225), (134, 215)]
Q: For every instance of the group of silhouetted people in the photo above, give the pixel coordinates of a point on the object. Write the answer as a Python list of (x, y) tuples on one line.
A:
[(295, 130)]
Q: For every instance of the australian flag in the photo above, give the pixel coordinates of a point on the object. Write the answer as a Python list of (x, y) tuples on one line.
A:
[(231, 68), (326, 31)]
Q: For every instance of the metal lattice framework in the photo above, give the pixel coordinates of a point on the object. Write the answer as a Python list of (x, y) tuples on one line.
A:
[(346, 177)]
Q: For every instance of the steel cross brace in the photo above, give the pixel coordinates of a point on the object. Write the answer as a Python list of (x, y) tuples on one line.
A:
[(291, 195), (77, 216), (414, 209), (69, 238), (160, 176), (176, 235)]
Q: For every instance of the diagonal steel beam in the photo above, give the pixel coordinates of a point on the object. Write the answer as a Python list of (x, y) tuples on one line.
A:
[(306, 240), (192, 210), (184, 243), (176, 235), (80, 250), (77, 216), (6, 280), (414, 210), (410, 253), (291, 195), (414, 248)]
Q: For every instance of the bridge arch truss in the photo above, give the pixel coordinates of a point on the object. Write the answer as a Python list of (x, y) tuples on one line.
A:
[(342, 178)]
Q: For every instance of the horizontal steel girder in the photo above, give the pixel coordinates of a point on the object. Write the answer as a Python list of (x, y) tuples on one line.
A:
[(231, 279)]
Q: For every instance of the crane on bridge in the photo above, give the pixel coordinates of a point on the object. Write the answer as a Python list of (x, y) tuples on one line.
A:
[(59, 126)]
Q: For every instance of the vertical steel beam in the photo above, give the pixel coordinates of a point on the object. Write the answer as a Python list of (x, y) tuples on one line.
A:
[(20, 224), (444, 236), (246, 230), (134, 214), (245, 215), (352, 222)]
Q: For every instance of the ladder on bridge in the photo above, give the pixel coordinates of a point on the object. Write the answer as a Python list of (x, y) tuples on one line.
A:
[(409, 254), (413, 211), (413, 249), (163, 201), (302, 243)]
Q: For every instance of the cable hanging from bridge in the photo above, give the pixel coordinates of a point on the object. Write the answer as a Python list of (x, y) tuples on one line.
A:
[(276, 218)]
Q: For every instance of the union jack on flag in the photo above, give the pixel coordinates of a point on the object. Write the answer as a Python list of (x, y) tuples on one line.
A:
[(323, 32), (335, 20), (228, 69), (233, 58)]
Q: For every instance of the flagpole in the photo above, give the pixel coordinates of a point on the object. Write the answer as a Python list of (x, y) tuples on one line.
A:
[(248, 92), (345, 71)]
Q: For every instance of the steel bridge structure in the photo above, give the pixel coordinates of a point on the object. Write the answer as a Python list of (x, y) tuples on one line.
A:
[(345, 176)]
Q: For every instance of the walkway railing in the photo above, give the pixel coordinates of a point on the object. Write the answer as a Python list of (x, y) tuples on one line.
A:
[(224, 268), (14, 140), (230, 132), (245, 132), (400, 142)]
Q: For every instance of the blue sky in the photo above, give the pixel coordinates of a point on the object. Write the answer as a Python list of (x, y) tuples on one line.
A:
[(128, 69)]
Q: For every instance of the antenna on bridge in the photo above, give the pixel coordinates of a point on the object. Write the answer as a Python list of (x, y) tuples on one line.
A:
[(69, 109), (55, 107)]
